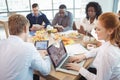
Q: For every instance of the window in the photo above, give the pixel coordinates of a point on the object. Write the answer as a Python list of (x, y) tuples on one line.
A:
[(55, 11), (3, 7), (23, 13), (23, 5), (118, 6), (80, 8), (48, 14), (43, 4), (48, 7), (68, 3), (45, 7)]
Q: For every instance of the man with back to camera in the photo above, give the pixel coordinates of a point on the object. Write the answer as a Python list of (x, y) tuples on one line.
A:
[(63, 20), (36, 19), (18, 58)]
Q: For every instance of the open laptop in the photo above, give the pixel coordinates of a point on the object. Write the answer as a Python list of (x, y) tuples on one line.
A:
[(59, 57), (41, 45)]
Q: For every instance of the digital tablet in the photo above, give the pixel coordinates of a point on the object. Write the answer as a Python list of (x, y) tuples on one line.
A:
[(41, 45)]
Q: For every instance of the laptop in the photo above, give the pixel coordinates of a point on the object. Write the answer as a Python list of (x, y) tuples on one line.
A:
[(59, 57), (41, 45)]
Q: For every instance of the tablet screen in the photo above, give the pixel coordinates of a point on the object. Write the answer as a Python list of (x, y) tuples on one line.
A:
[(41, 45)]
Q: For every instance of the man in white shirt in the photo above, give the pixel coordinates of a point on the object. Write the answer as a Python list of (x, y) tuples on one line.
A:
[(18, 58)]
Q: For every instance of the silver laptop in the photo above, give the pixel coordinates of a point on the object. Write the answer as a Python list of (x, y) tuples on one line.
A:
[(59, 57)]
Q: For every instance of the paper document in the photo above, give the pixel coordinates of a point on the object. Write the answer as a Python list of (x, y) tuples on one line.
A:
[(75, 49)]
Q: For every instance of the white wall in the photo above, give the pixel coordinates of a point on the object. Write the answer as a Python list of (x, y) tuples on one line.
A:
[(107, 5)]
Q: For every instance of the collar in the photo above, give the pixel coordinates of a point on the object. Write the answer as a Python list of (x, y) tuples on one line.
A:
[(39, 14), (15, 38), (94, 22), (66, 14)]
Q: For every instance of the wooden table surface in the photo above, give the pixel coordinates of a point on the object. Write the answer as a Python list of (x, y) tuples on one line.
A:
[(56, 75)]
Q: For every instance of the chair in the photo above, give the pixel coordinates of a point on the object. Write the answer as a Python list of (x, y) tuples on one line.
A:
[(5, 27), (74, 26)]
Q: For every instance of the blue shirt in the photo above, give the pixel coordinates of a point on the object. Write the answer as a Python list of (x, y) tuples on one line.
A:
[(38, 19), (18, 60)]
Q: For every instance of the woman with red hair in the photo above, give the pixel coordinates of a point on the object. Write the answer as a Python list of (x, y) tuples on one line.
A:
[(107, 56)]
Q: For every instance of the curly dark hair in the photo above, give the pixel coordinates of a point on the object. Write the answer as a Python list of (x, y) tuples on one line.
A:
[(62, 6), (96, 6)]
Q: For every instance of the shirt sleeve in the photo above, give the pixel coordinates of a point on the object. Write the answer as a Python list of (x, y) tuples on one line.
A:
[(91, 53), (104, 63), (43, 65), (88, 75), (82, 22), (29, 18), (54, 22), (45, 19)]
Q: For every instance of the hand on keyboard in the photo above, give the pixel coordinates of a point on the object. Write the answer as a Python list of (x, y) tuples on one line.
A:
[(72, 66), (77, 58)]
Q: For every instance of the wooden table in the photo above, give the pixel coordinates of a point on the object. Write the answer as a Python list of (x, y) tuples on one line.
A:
[(56, 75)]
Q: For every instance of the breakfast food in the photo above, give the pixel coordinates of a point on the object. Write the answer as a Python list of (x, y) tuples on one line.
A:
[(40, 32), (72, 34), (67, 41), (39, 35), (54, 30)]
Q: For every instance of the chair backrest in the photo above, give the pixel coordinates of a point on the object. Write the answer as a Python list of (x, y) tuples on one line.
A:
[(5, 27)]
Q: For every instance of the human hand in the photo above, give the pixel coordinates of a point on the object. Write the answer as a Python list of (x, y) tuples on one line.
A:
[(59, 28), (72, 66), (43, 53), (35, 28), (81, 30), (77, 58)]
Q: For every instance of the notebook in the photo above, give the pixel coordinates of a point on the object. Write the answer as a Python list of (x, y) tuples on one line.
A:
[(59, 57)]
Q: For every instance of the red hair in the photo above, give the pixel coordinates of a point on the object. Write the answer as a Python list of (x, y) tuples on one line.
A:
[(111, 21)]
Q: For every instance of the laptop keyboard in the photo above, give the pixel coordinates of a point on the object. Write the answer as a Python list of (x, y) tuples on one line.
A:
[(63, 65)]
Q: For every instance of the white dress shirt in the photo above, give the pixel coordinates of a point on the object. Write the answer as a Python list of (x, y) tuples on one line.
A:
[(18, 60), (107, 63), (87, 25)]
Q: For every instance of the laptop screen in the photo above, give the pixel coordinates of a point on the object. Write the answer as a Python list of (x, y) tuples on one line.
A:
[(41, 45), (57, 53)]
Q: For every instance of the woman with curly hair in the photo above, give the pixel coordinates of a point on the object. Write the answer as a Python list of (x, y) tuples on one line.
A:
[(93, 10)]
